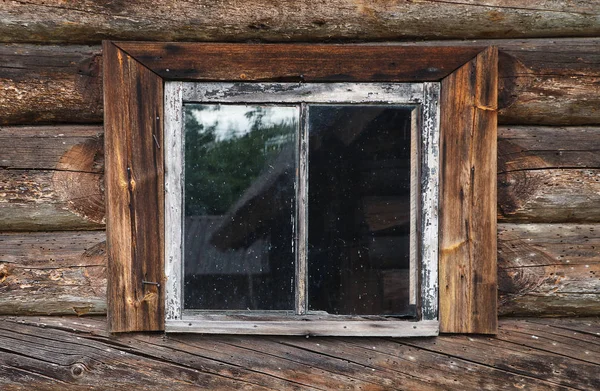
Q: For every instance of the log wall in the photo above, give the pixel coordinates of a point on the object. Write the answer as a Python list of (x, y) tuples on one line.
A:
[(52, 255)]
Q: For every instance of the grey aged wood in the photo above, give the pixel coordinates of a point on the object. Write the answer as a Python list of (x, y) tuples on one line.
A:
[(89, 21), (73, 353), (133, 102), (552, 82), (467, 235)]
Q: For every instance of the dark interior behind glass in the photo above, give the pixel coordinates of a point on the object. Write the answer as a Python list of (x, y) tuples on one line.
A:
[(359, 209)]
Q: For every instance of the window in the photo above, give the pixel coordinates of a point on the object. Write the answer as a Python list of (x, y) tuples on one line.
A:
[(302, 203), (137, 147)]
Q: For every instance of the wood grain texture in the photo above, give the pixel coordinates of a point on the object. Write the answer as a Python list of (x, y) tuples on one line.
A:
[(73, 353), (51, 178), (50, 84), (53, 273), (133, 101), (548, 269), (522, 148), (35, 200), (551, 82), (90, 21), (298, 62), (549, 195), (468, 197)]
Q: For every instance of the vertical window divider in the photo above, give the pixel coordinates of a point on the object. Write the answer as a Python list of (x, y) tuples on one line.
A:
[(302, 214)]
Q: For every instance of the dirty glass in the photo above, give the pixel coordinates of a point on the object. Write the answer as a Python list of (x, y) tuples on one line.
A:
[(359, 209), (239, 201)]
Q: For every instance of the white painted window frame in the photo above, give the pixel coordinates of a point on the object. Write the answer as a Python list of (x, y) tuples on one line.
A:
[(424, 97)]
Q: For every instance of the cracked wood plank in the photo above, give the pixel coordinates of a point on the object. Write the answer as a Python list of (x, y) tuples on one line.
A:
[(230, 20), (72, 353), (467, 207), (548, 365), (70, 362)]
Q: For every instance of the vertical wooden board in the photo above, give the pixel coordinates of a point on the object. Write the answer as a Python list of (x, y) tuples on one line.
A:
[(133, 97), (468, 278)]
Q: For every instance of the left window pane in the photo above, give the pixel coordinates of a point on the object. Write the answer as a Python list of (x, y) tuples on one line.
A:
[(240, 176)]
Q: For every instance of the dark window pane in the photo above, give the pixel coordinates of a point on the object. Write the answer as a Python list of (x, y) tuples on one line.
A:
[(239, 207), (359, 209)]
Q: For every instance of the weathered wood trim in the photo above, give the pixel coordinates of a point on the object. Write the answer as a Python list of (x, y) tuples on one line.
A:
[(133, 101), (298, 62), (90, 21), (392, 93), (423, 328), (174, 208), (319, 63), (428, 227), (422, 97), (468, 277)]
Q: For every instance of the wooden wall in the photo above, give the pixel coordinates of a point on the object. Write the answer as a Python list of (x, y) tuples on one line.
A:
[(52, 243)]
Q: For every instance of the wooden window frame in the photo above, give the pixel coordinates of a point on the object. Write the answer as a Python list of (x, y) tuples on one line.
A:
[(134, 76), (421, 98)]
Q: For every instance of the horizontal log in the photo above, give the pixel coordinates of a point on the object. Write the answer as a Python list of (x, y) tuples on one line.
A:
[(543, 269), (89, 21), (549, 196), (50, 84), (548, 269), (541, 175), (53, 273), (542, 147), (43, 147), (542, 81), (51, 178)]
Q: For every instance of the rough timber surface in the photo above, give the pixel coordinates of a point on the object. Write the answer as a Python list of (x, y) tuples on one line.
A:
[(89, 21), (71, 353), (541, 81)]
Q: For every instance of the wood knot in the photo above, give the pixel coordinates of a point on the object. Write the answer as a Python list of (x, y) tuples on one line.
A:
[(79, 179), (77, 370)]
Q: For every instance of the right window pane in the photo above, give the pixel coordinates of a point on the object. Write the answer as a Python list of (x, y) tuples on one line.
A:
[(362, 209)]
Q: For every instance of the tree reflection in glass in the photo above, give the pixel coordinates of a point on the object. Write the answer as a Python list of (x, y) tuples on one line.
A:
[(240, 171)]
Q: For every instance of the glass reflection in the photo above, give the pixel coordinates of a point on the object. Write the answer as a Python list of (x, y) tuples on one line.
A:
[(239, 207), (359, 209)]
